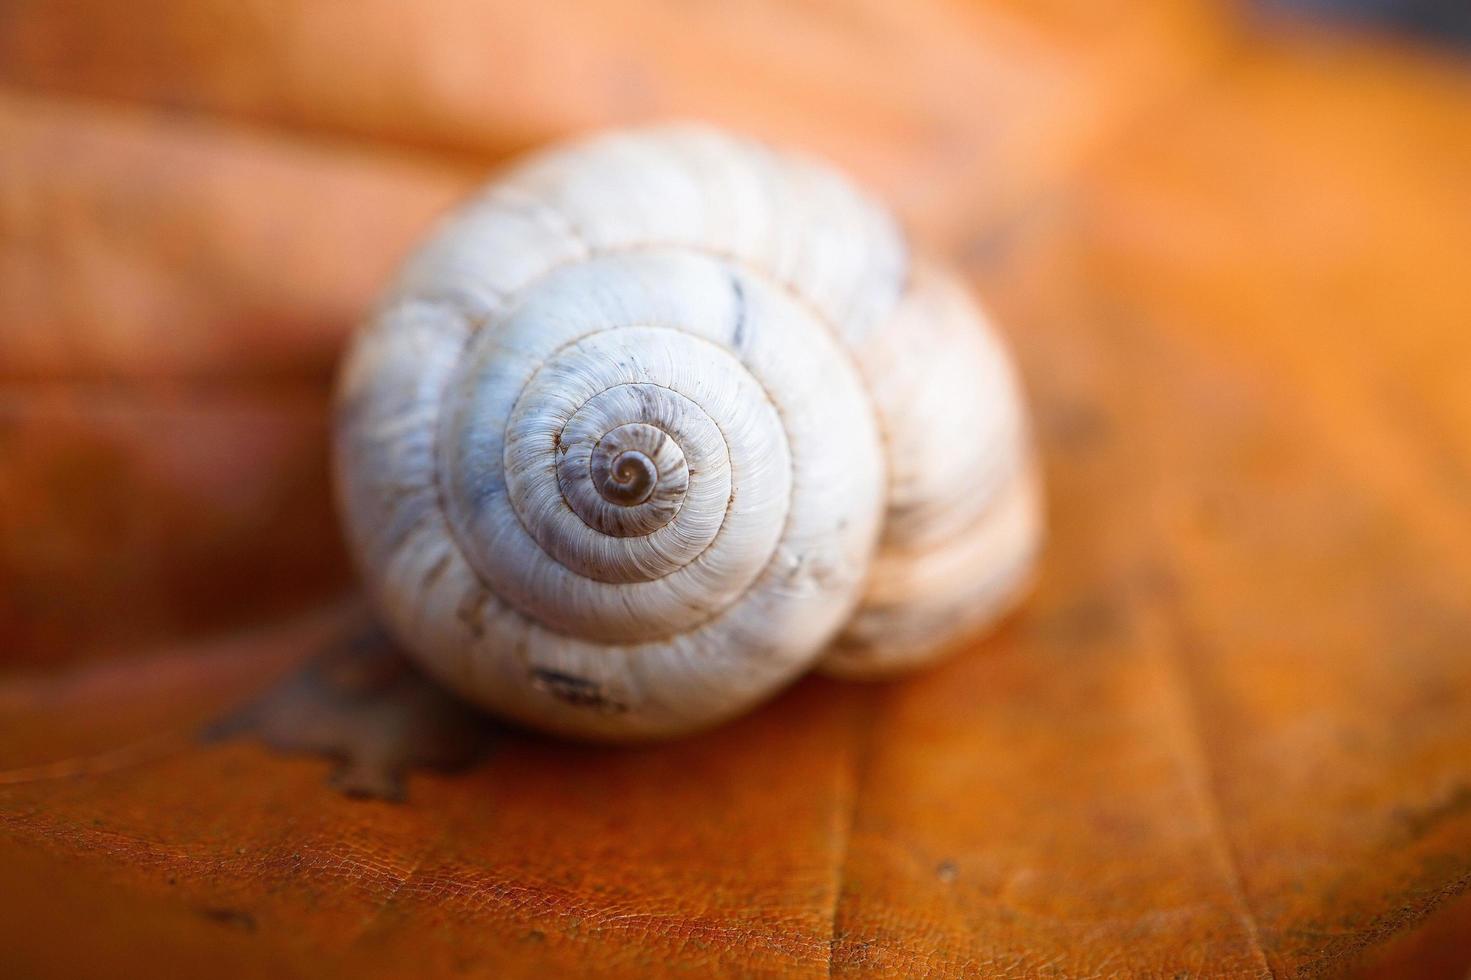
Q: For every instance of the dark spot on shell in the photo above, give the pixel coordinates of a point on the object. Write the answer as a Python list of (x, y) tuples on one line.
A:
[(738, 331), (574, 690)]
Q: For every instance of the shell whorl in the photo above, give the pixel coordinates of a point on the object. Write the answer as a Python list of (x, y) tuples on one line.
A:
[(612, 452)]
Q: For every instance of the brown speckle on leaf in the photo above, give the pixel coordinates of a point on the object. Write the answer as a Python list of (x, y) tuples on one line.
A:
[(233, 918)]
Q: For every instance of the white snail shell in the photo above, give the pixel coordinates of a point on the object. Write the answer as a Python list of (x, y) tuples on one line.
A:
[(662, 419)]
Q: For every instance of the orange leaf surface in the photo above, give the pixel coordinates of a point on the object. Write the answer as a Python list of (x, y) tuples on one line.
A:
[(1230, 734)]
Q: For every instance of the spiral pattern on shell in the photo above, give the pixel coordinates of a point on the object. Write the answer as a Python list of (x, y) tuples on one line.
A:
[(612, 453)]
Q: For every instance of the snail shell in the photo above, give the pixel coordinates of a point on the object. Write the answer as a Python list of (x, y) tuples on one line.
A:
[(662, 419)]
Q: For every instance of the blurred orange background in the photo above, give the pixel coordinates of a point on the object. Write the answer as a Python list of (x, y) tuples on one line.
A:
[(1229, 735)]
